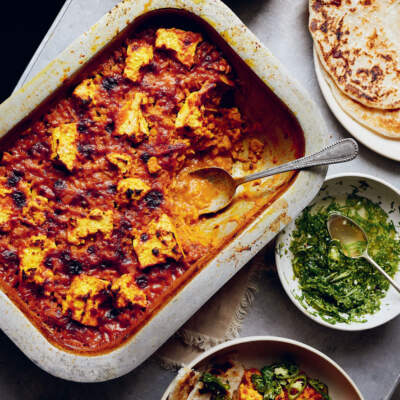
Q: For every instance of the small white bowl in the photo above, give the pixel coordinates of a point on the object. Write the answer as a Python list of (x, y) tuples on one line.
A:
[(257, 351), (377, 190)]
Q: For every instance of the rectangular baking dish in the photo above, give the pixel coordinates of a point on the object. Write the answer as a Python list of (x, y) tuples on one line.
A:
[(241, 48)]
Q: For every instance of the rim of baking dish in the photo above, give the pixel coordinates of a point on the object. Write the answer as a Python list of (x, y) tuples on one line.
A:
[(123, 359)]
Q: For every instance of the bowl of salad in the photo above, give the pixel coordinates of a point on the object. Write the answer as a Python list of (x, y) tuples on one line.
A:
[(326, 285), (262, 368)]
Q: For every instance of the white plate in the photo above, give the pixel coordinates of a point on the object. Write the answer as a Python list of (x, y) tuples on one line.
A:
[(378, 190), (386, 147), (257, 351)]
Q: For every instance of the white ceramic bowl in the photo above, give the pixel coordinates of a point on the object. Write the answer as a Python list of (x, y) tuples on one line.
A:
[(377, 190), (257, 351)]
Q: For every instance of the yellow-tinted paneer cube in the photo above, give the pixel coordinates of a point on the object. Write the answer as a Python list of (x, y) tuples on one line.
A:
[(34, 210), (133, 188), (96, 221), (130, 120), (5, 207), (127, 292), (182, 42), (138, 55), (84, 297), (191, 115), (246, 388), (32, 258), (86, 91), (63, 144), (157, 242), (153, 166), (122, 161)]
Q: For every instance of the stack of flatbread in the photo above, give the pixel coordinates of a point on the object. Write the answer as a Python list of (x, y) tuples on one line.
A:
[(358, 44)]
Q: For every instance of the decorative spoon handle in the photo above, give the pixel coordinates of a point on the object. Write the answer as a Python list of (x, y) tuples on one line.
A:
[(382, 271), (341, 151)]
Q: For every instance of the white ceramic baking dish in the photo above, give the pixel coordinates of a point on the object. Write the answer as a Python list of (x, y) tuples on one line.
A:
[(234, 35)]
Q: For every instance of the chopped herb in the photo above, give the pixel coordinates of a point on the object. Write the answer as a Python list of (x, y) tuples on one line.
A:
[(213, 385)]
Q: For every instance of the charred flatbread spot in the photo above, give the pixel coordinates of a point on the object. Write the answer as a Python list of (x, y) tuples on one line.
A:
[(314, 25), (376, 73)]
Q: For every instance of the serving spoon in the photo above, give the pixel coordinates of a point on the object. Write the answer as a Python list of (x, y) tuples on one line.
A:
[(225, 185), (353, 241)]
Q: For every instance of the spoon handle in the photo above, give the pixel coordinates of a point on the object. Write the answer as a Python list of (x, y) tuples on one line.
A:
[(381, 270), (341, 151)]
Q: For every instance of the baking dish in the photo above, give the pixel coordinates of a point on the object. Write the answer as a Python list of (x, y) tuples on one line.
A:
[(210, 14)]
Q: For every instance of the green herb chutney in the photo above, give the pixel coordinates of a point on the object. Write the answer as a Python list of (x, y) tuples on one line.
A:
[(341, 289)]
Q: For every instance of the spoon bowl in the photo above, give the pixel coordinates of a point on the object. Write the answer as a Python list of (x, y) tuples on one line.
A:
[(217, 185), (353, 241)]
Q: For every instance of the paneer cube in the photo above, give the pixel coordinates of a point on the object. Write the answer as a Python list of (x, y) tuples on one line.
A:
[(138, 55), (96, 221), (63, 144), (86, 91), (246, 388), (130, 120), (156, 243), (122, 161), (32, 258), (191, 115), (5, 206), (133, 188), (84, 297), (127, 292), (153, 166), (34, 210), (183, 43)]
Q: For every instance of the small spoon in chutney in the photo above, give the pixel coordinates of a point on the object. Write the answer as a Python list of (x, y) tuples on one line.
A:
[(353, 241)]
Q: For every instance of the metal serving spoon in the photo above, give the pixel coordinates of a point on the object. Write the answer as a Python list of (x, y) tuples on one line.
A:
[(225, 185), (354, 241)]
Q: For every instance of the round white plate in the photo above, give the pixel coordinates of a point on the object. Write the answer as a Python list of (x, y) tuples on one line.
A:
[(257, 351), (386, 147), (339, 186)]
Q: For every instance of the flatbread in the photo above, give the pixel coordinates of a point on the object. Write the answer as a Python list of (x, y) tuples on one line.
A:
[(184, 383), (383, 122), (358, 42), (188, 386)]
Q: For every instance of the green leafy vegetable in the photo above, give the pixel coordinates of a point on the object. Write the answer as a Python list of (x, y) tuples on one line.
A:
[(338, 288), (320, 387), (212, 384), (258, 383), (297, 386)]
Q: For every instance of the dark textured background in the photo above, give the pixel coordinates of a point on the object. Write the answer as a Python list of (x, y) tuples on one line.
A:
[(23, 25)]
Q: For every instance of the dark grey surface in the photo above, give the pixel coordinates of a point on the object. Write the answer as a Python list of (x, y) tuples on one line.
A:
[(371, 358)]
